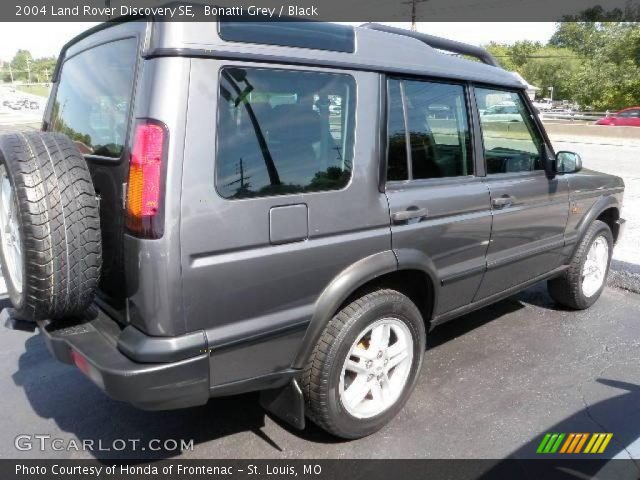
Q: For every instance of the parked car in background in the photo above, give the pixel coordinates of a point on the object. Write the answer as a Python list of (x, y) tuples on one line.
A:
[(628, 117), (543, 105), (502, 112)]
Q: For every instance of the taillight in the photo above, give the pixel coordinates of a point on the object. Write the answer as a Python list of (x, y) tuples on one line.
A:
[(145, 191)]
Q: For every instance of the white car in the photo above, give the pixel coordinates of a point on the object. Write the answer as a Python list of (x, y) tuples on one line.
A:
[(501, 112)]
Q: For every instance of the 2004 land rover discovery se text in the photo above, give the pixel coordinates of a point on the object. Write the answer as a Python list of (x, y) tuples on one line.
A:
[(216, 208)]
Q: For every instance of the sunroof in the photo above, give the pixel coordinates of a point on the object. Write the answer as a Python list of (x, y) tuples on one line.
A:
[(315, 35)]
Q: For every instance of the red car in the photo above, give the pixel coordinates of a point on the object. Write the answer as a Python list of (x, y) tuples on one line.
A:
[(628, 117)]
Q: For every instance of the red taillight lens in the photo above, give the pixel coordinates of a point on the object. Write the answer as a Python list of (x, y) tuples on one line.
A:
[(146, 180), (80, 362)]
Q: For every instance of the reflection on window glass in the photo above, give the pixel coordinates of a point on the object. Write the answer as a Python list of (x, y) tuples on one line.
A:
[(93, 98), (397, 142), (283, 132), (438, 127), (511, 142)]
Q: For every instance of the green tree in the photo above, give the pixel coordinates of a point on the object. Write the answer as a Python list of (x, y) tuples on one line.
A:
[(20, 65), (587, 60)]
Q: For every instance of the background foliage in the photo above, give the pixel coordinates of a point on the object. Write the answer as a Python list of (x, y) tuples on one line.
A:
[(594, 64)]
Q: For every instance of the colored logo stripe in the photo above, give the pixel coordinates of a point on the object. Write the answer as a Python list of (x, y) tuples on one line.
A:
[(550, 443), (574, 443), (598, 442)]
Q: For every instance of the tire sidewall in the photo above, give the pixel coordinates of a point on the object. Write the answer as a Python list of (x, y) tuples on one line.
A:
[(599, 229), (17, 297), (400, 308)]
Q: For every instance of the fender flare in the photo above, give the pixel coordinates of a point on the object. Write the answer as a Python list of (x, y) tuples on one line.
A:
[(602, 204), (343, 285), (354, 277)]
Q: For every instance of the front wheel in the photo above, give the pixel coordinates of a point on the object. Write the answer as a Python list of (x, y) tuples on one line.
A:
[(583, 282), (365, 364)]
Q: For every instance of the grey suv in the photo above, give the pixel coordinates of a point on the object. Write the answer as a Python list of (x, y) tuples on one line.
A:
[(216, 208)]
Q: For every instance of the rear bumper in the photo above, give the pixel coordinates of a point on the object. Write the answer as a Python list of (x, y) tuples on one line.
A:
[(92, 345)]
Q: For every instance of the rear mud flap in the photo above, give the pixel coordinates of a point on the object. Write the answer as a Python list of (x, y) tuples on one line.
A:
[(285, 403)]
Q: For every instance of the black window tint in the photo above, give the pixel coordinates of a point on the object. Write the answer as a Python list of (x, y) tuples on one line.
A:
[(438, 130), (397, 140), (511, 141), (93, 98), (282, 132)]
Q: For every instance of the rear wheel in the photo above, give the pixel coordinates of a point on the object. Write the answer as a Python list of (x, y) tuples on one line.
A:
[(582, 283), (50, 247), (365, 364)]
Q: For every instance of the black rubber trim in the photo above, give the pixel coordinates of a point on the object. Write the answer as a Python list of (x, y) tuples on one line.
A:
[(462, 275), (263, 382), (528, 254), (147, 386), (483, 302), (258, 336), (142, 348), (286, 403)]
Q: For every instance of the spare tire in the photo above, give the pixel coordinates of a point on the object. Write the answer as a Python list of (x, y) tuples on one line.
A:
[(50, 247)]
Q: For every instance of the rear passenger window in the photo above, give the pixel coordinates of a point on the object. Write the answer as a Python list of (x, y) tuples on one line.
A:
[(439, 142), (511, 142), (283, 132)]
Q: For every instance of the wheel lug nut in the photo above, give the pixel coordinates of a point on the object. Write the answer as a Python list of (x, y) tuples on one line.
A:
[(368, 364), (386, 360), (369, 377), (380, 354)]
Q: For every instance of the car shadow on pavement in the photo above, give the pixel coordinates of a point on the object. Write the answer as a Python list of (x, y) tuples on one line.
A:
[(618, 414), (61, 393)]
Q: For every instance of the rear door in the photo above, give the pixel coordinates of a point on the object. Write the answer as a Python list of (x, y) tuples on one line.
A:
[(280, 194), (529, 210), (439, 205)]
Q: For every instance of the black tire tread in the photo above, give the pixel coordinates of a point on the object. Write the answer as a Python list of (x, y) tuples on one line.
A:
[(59, 224), (566, 289), (316, 374)]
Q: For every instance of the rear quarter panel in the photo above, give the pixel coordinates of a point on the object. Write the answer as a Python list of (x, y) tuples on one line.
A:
[(254, 298)]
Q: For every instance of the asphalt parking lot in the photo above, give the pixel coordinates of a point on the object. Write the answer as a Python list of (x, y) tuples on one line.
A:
[(493, 383)]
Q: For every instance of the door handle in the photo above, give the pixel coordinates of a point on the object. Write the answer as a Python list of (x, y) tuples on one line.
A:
[(408, 214), (503, 201)]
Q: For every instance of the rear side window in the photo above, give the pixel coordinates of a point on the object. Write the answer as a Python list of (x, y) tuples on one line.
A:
[(434, 115), (93, 98), (283, 132)]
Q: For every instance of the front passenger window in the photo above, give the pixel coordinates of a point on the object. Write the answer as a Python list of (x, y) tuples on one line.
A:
[(511, 141)]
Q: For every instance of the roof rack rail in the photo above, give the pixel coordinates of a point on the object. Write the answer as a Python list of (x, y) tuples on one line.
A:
[(439, 43)]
